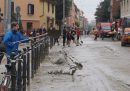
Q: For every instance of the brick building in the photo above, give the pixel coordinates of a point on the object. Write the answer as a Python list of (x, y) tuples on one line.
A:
[(115, 9)]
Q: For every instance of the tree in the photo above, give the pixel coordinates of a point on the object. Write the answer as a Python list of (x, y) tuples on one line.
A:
[(102, 11)]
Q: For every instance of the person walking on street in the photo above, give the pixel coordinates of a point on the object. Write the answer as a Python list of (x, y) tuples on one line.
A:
[(95, 33), (73, 34), (69, 38), (11, 39)]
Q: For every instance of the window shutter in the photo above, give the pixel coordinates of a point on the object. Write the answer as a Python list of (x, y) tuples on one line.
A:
[(30, 9)]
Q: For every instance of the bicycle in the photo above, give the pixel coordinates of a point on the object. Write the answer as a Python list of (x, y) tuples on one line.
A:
[(10, 76), (5, 84), (7, 77)]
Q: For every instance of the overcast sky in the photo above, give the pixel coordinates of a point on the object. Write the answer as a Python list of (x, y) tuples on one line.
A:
[(88, 7)]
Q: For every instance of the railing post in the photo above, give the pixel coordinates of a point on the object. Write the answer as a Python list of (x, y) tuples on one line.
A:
[(32, 61), (13, 72), (35, 59), (24, 70), (19, 80), (28, 66)]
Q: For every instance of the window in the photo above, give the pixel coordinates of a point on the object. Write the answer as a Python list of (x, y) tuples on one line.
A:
[(31, 9), (106, 28)]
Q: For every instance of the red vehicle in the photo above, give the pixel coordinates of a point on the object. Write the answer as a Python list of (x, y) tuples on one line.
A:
[(105, 29)]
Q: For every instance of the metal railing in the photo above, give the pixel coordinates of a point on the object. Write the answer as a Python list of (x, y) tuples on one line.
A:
[(25, 63)]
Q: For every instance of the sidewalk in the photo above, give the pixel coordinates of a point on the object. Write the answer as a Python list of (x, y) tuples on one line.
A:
[(55, 69)]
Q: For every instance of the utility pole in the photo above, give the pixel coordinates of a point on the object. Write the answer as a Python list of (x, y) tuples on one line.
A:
[(9, 14)]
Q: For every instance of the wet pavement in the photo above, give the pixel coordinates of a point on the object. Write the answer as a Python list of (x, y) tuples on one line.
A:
[(105, 68)]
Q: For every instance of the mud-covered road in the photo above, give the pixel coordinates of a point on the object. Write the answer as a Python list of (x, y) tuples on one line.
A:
[(106, 67)]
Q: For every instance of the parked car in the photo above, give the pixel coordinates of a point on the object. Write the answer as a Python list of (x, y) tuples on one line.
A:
[(125, 37)]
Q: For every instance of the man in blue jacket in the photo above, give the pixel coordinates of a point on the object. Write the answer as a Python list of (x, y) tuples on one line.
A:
[(11, 37)]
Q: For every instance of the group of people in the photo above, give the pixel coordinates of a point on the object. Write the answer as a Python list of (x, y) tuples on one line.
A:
[(13, 36), (71, 34), (35, 32)]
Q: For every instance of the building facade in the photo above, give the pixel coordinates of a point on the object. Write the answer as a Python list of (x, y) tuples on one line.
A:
[(33, 13), (125, 8), (30, 12), (114, 9), (2, 11), (47, 14), (71, 18)]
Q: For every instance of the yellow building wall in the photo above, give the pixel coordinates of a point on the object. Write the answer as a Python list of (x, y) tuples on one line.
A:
[(43, 18)]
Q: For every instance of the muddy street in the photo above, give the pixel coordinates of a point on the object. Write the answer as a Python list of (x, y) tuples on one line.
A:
[(105, 68)]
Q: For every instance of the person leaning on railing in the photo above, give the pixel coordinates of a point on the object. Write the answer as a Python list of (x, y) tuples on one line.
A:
[(12, 37)]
